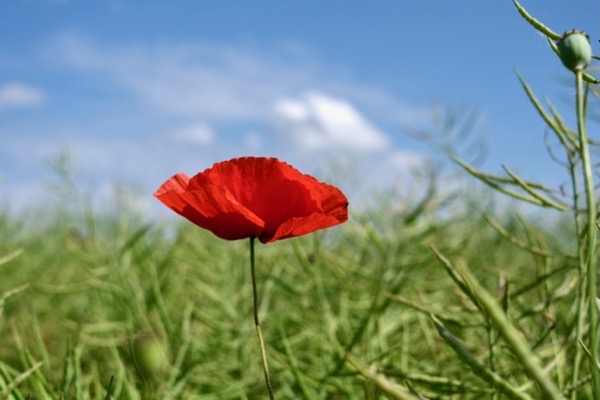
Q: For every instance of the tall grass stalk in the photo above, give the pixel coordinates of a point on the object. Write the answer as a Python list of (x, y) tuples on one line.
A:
[(590, 253)]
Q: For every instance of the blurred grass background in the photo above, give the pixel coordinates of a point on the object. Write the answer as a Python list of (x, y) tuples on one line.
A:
[(345, 313)]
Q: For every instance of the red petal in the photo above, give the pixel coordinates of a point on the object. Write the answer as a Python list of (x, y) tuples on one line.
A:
[(302, 226), (171, 194), (222, 214), (335, 212), (211, 208)]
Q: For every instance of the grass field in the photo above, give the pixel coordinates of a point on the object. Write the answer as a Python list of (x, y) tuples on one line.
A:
[(346, 314)]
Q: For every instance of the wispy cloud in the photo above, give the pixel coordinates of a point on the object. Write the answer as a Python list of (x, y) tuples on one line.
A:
[(214, 82), (403, 160), (18, 95), (317, 121), (199, 134), (189, 80)]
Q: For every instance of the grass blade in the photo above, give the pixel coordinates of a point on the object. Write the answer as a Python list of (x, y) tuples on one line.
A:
[(478, 369)]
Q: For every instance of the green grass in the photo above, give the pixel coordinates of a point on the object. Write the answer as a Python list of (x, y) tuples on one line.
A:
[(346, 314)]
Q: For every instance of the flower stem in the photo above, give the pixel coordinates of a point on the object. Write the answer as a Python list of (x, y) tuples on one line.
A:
[(261, 343), (591, 234), (581, 292)]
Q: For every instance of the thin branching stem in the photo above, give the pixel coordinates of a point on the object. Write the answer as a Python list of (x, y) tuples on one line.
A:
[(581, 291), (591, 233), (479, 369), (505, 328), (536, 23), (261, 342)]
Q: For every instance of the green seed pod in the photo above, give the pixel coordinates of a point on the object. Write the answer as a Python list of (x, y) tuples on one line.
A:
[(149, 355), (575, 50)]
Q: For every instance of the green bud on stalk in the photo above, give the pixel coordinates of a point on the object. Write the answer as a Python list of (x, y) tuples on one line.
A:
[(149, 355), (575, 50)]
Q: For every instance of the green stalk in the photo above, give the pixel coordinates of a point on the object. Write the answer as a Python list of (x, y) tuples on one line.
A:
[(581, 284), (490, 307), (386, 386), (261, 342), (591, 234), (485, 373)]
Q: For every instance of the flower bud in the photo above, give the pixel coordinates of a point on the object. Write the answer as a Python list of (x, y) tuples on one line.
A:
[(149, 355), (575, 50)]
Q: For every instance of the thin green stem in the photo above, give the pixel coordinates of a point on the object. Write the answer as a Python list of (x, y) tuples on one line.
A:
[(581, 291), (491, 358), (507, 330), (479, 369), (591, 233), (261, 342)]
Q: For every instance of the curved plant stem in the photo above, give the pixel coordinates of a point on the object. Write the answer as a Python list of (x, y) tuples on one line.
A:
[(591, 235), (489, 305), (581, 303), (261, 342)]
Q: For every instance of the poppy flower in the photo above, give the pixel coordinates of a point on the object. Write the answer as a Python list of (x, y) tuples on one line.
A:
[(255, 197)]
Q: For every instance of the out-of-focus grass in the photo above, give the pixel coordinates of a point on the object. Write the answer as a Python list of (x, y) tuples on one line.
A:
[(346, 314)]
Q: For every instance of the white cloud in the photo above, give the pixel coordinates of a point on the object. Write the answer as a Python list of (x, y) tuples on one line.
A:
[(292, 109), (318, 121), (19, 95), (406, 160), (198, 134)]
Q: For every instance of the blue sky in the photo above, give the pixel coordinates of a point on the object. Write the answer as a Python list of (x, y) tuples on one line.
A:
[(137, 91)]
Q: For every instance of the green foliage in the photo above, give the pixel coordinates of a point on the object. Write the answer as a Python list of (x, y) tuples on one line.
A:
[(345, 314)]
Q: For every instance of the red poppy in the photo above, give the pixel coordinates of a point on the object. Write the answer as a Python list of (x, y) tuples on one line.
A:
[(255, 197)]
